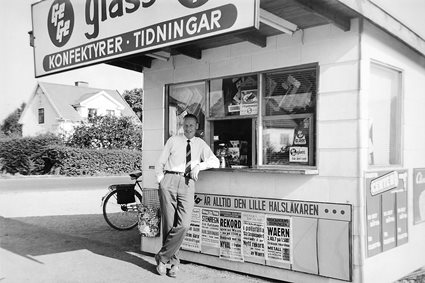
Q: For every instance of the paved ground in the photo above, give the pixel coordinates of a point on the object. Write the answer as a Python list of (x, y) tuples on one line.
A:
[(49, 236), (81, 248), (53, 235)]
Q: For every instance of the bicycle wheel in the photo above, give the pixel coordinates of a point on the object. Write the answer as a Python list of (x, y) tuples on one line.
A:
[(120, 216)]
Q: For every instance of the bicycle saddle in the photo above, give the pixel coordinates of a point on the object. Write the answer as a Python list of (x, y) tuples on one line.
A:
[(135, 175)]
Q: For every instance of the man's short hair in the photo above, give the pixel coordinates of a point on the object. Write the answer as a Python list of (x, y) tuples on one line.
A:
[(191, 116)]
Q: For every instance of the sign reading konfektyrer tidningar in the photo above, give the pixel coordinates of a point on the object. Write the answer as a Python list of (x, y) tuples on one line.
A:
[(74, 33)]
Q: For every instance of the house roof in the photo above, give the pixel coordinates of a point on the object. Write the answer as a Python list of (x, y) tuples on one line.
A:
[(63, 97)]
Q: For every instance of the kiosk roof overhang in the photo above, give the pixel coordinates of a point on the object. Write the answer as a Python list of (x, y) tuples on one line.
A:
[(301, 14)]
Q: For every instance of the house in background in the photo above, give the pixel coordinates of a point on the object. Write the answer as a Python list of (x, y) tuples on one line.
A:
[(57, 108)]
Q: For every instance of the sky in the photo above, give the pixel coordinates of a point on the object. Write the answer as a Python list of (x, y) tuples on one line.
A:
[(17, 78)]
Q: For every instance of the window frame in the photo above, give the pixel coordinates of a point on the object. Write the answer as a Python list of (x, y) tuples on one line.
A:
[(257, 121), (312, 115), (167, 88), (41, 116), (400, 112), (89, 111)]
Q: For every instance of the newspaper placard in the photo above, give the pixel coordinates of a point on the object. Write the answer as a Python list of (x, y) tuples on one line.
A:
[(279, 238), (231, 235), (210, 231), (192, 241), (253, 229)]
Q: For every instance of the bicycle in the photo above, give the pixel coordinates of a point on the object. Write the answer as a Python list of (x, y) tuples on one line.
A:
[(120, 204)]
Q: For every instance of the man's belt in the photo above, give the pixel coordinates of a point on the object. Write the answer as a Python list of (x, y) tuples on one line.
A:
[(178, 173)]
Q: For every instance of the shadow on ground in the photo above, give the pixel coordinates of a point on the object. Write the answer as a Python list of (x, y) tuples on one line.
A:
[(48, 237), (34, 236)]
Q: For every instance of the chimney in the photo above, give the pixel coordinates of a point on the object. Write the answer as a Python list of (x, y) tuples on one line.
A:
[(81, 84)]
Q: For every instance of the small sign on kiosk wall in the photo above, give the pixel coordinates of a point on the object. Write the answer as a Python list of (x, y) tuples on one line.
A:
[(418, 195), (386, 210)]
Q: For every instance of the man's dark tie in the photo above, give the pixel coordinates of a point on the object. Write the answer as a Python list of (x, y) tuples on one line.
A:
[(188, 167)]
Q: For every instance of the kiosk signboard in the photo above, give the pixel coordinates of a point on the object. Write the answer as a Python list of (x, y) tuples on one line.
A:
[(73, 33)]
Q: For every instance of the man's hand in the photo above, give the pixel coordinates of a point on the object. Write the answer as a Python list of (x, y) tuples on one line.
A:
[(194, 173), (159, 178)]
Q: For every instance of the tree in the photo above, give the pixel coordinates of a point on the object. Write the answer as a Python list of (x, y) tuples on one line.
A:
[(107, 132), (134, 98), (10, 126)]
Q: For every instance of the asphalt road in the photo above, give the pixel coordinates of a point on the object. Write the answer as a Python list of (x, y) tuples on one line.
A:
[(52, 230)]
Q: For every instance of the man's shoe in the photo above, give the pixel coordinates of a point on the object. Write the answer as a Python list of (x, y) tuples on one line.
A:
[(160, 266), (173, 271)]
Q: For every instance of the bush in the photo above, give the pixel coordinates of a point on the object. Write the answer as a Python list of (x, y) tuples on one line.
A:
[(107, 132), (16, 153), (71, 161)]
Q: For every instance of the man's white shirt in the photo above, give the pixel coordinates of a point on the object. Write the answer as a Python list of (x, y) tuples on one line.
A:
[(173, 156)]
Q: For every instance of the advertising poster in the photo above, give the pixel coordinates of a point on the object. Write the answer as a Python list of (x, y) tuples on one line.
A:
[(231, 235), (279, 238), (373, 214), (386, 209), (253, 230), (402, 233), (249, 101), (418, 195), (401, 208), (298, 154), (388, 221), (192, 241), (210, 231)]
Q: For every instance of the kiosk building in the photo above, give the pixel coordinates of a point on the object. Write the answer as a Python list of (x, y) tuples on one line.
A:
[(314, 108)]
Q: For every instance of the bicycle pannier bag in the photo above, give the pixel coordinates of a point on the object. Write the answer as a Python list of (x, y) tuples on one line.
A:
[(125, 193)]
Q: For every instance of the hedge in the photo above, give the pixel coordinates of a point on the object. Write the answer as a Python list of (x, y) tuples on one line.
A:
[(71, 161), (16, 153)]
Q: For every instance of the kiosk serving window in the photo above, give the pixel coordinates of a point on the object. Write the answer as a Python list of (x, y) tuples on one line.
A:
[(260, 120), (183, 99)]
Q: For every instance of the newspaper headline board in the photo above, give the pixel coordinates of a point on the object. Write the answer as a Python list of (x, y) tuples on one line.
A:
[(331, 211), (73, 33), (271, 232), (259, 230)]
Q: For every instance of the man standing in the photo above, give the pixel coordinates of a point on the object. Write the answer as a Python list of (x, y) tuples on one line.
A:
[(177, 170)]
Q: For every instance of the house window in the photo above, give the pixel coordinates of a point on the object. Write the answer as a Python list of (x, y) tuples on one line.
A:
[(92, 113), (385, 112), (110, 112), (41, 115), (257, 120)]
